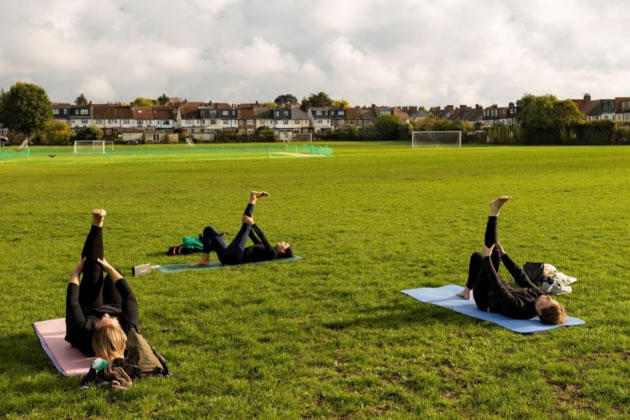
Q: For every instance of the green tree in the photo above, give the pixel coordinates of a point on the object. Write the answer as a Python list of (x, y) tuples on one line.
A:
[(287, 98), (266, 134), (316, 99), (545, 119), (163, 99), (81, 100), (341, 103), (25, 108), (56, 133), (140, 101), (391, 127), (91, 133)]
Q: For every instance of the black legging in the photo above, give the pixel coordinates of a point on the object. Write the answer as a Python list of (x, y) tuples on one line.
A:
[(477, 273), (228, 254), (94, 290)]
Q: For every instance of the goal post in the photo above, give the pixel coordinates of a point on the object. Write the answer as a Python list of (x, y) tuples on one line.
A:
[(436, 138), (93, 146), (304, 137)]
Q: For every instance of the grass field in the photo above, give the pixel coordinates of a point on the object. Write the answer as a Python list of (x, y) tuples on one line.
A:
[(331, 335)]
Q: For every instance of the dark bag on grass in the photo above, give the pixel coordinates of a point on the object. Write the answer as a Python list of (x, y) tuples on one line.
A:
[(142, 359), (534, 271)]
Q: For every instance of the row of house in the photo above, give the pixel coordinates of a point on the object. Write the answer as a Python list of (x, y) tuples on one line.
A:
[(203, 120), (617, 109)]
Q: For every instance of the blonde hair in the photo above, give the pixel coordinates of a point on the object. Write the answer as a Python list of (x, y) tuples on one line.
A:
[(553, 314), (109, 342)]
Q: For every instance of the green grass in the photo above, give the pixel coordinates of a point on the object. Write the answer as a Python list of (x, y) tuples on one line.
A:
[(331, 335)]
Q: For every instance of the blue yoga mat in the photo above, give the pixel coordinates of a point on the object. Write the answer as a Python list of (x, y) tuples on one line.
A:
[(445, 297), (176, 268)]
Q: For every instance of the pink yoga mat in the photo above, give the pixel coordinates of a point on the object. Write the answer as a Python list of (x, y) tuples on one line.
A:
[(68, 360)]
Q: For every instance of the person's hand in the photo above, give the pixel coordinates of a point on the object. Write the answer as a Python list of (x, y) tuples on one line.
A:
[(500, 248), (79, 266), (74, 276), (199, 263), (113, 273), (487, 251), (205, 260), (106, 266), (248, 220)]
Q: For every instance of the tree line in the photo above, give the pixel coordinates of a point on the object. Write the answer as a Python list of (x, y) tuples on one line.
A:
[(25, 110)]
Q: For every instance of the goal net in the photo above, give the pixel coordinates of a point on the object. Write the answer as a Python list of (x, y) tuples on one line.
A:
[(306, 137), (436, 138), (189, 142), (93, 146)]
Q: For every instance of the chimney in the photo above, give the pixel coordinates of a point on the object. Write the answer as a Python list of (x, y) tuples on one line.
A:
[(463, 107), (587, 97), (448, 108), (511, 104), (477, 106)]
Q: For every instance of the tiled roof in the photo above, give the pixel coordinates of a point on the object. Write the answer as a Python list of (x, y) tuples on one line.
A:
[(367, 114), (152, 112), (419, 114), (190, 110), (353, 114), (264, 113), (401, 114), (246, 114), (112, 112), (619, 102), (298, 114)]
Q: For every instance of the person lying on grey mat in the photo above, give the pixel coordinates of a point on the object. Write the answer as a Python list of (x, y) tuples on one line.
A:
[(236, 253)]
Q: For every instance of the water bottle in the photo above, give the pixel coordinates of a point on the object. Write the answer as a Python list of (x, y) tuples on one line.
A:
[(99, 364)]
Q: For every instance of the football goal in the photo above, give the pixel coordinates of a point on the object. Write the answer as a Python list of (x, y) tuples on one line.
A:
[(436, 138), (306, 137), (93, 146), (189, 142)]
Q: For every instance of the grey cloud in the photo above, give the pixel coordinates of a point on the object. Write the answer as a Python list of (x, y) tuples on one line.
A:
[(366, 51)]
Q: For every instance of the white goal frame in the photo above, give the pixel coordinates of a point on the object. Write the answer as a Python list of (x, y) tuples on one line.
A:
[(415, 143), (97, 145), (300, 137), (189, 142)]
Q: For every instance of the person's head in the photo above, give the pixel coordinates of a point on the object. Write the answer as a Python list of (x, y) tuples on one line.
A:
[(284, 250), (109, 340), (550, 311)]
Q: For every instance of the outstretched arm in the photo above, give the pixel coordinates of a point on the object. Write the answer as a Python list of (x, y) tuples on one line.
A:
[(129, 304), (253, 237), (519, 275), (268, 247), (75, 319)]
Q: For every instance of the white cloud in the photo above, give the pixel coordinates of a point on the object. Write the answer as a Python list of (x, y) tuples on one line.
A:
[(98, 89), (366, 51)]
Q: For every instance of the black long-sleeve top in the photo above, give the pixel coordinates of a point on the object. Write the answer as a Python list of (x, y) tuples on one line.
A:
[(80, 322), (261, 250), (517, 304)]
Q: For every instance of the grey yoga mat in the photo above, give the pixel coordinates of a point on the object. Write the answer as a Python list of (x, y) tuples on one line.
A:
[(176, 268)]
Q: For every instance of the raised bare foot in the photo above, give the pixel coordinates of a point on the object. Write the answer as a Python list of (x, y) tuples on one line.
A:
[(465, 293), (497, 203), (258, 194), (98, 216)]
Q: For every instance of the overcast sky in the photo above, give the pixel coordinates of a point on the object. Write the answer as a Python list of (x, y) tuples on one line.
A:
[(394, 52)]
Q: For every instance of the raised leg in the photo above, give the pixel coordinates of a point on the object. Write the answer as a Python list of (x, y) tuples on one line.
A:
[(91, 287)]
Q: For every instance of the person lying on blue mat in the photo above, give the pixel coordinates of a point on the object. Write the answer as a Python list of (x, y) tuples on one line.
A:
[(236, 253), (492, 293)]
